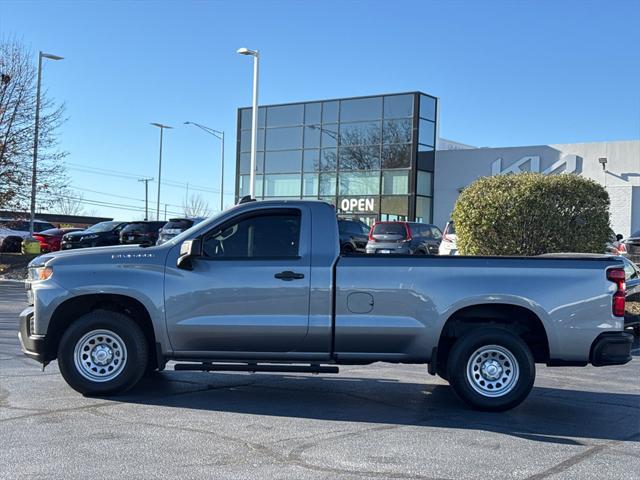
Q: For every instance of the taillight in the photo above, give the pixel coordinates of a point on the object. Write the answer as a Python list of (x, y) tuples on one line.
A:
[(616, 275), (622, 248), (409, 235), (371, 239)]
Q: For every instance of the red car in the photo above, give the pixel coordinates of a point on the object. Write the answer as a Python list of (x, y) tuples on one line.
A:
[(50, 239)]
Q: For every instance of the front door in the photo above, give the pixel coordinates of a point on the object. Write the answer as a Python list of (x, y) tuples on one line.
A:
[(249, 291)]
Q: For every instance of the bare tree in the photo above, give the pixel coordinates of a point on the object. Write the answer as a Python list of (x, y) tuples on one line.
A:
[(18, 76), (69, 203), (196, 206)]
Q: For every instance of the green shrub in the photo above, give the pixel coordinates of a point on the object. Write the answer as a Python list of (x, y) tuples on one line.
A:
[(531, 214)]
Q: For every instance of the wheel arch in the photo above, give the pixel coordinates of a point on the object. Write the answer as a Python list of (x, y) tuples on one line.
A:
[(71, 309), (523, 321)]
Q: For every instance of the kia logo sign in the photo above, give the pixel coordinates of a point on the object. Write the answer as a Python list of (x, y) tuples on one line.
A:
[(357, 205), (569, 162)]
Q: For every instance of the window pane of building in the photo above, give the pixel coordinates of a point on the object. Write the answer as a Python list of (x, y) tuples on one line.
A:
[(394, 208), (359, 109), (427, 132), (284, 138), (245, 117), (245, 162), (282, 185), (397, 131), (245, 140), (359, 183), (360, 158), (312, 136), (398, 106), (396, 156), (312, 113), (327, 184), (329, 112), (311, 160), (428, 107), (423, 186), (310, 184), (328, 159), (285, 115), (244, 185), (283, 162), (395, 182), (423, 209), (329, 135), (361, 133)]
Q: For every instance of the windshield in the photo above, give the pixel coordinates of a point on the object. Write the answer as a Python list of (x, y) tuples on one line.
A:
[(389, 229), (103, 227), (635, 234)]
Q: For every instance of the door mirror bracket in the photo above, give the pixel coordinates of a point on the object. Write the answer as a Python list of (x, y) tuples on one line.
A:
[(189, 250)]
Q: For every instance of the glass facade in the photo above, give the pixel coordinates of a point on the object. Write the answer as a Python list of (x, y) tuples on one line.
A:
[(371, 157)]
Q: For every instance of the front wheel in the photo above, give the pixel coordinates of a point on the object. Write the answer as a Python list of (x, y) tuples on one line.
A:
[(103, 353), (491, 369)]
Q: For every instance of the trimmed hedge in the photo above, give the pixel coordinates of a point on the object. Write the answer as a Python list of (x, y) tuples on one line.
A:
[(532, 214)]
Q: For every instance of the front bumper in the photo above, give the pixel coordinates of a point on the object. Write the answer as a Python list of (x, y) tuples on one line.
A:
[(611, 348), (33, 346)]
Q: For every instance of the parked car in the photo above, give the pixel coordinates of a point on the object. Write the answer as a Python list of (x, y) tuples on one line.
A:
[(99, 235), (14, 231), (354, 235), (632, 246), (176, 226), (262, 287), (146, 232), (50, 239), (449, 244), (409, 238)]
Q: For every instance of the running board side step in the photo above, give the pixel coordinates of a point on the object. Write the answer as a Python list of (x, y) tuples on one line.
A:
[(255, 367)]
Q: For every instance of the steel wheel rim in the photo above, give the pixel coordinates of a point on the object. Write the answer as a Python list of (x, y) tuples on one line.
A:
[(493, 371), (100, 355)]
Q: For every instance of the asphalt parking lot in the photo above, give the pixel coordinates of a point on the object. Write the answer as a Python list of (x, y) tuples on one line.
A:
[(378, 421)]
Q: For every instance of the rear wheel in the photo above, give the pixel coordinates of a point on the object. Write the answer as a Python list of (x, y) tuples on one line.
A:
[(491, 369), (103, 353)]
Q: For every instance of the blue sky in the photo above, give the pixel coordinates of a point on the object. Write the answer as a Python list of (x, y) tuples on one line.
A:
[(507, 73)]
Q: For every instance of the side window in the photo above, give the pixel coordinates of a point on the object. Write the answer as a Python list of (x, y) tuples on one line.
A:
[(436, 233), (630, 272), (264, 235)]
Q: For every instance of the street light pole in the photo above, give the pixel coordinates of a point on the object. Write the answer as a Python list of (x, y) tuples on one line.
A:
[(161, 127), (146, 196), (254, 117), (36, 133), (219, 134)]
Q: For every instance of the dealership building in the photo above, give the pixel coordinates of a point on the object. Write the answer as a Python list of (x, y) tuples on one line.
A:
[(380, 158)]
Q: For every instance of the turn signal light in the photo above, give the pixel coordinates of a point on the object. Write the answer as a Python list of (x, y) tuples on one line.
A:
[(44, 273)]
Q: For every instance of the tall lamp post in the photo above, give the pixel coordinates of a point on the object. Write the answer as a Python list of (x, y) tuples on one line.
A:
[(254, 117), (36, 133), (219, 134), (161, 127)]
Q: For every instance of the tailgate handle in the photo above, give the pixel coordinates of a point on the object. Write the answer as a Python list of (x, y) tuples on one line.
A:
[(289, 275)]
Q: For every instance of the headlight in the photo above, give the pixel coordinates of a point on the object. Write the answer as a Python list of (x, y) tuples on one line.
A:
[(89, 237), (40, 273)]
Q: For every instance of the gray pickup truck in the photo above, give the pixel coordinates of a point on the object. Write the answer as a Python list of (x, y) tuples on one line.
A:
[(263, 287)]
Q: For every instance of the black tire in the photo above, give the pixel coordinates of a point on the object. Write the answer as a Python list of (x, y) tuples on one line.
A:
[(507, 357), (347, 249), (420, 251), (442, 372), (110, 332)]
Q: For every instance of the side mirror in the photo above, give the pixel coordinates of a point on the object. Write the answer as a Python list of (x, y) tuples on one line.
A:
[(619, 237), (189, 250)]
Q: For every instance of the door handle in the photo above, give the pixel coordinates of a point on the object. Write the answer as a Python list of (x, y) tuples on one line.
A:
[(288, 275)]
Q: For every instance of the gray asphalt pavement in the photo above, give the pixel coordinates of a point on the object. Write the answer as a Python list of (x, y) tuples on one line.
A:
[(378, 421)]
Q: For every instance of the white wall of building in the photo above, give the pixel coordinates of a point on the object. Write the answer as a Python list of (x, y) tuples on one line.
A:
[(455, 169)]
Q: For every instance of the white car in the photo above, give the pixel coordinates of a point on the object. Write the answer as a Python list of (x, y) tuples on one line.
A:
[(449, 243)]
